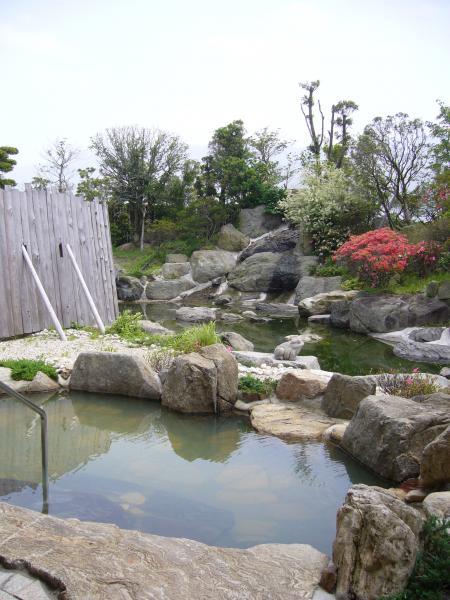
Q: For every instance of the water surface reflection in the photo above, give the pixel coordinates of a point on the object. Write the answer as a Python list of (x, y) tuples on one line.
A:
[(136, 464)]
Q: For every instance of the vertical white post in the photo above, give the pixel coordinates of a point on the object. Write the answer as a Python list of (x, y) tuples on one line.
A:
[(44, 296), (86, 290)]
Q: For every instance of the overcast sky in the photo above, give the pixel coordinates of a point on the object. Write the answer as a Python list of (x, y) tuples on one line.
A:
[(72, 68)]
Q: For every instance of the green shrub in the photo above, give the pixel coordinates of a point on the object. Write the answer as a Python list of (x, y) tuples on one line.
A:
[(352, 283), (438, 231), (328, 269), (251, 384), (25, 370), (430, 578), (127, 326)]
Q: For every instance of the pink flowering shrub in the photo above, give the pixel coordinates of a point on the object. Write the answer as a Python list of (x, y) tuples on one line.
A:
[(375, 256), (424, 257), (407, 385)]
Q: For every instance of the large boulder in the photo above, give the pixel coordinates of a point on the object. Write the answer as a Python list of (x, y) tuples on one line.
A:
[(268, 272), (383, 313), (196, 314), (202, 382), (299, 384), (423, 352), (377, 540), (255, 221), (209, 264), (236, 341), (438, 504), (176, 258), (322, 303), (231, 239), (174, 270), (340, 314), (435, 464), (344, 393), (277, 310), (309, 286), (114, 373), (276, 241), (444, 291), (389, 434), (227, 375), (129, 289), (162, 289)]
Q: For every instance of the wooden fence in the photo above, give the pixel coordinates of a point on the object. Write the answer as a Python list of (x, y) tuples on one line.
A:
[(45, 221)]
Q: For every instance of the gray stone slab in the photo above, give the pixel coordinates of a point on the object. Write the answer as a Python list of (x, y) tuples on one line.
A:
[(97, 560)]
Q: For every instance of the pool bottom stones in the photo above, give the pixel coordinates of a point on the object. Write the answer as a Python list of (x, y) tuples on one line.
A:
[(98, 561)]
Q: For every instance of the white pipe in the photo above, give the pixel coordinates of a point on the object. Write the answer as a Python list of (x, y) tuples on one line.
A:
[(44, 296), (86, 290)]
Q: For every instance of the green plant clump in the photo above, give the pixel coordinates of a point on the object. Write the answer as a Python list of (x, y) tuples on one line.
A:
[(189, 340), (192, 338), (127, 326), (251, 384), (430, 578), (25, 370), (328, 269)]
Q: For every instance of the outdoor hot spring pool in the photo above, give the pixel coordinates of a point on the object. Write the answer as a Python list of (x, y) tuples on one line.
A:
[(140, 466)]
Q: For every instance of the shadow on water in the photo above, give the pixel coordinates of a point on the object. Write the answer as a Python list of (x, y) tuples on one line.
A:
[(136, 464)]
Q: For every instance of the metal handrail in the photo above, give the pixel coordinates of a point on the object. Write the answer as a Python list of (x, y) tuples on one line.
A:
[(44, 445)]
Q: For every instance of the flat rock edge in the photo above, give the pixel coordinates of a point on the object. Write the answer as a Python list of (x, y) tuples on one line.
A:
[(115, 561)]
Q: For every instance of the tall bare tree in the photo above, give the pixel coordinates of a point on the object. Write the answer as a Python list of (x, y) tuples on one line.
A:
[(307, 107), (58, 166)]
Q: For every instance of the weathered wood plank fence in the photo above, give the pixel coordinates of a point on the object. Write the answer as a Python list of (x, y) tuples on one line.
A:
[(45, 221)]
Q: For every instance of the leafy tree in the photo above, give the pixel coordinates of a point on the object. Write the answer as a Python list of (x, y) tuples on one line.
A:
[(391, 159), (139, 163), (40, 183), (341, 119), (7, 164), (328, 206), (267, 145), (241, 172), (57, 169), (436, 195), (91, 187)]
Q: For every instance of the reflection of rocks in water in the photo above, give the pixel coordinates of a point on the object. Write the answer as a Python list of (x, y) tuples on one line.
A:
[(208, 438), (115, 414), (9, 486), (71, 443), (176, 516), (355, 470), (87, 507)]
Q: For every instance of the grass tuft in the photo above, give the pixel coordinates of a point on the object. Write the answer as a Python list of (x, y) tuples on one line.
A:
[(25, 370)]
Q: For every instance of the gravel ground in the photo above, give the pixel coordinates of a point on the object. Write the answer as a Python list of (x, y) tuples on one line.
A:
[(47, 346)]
